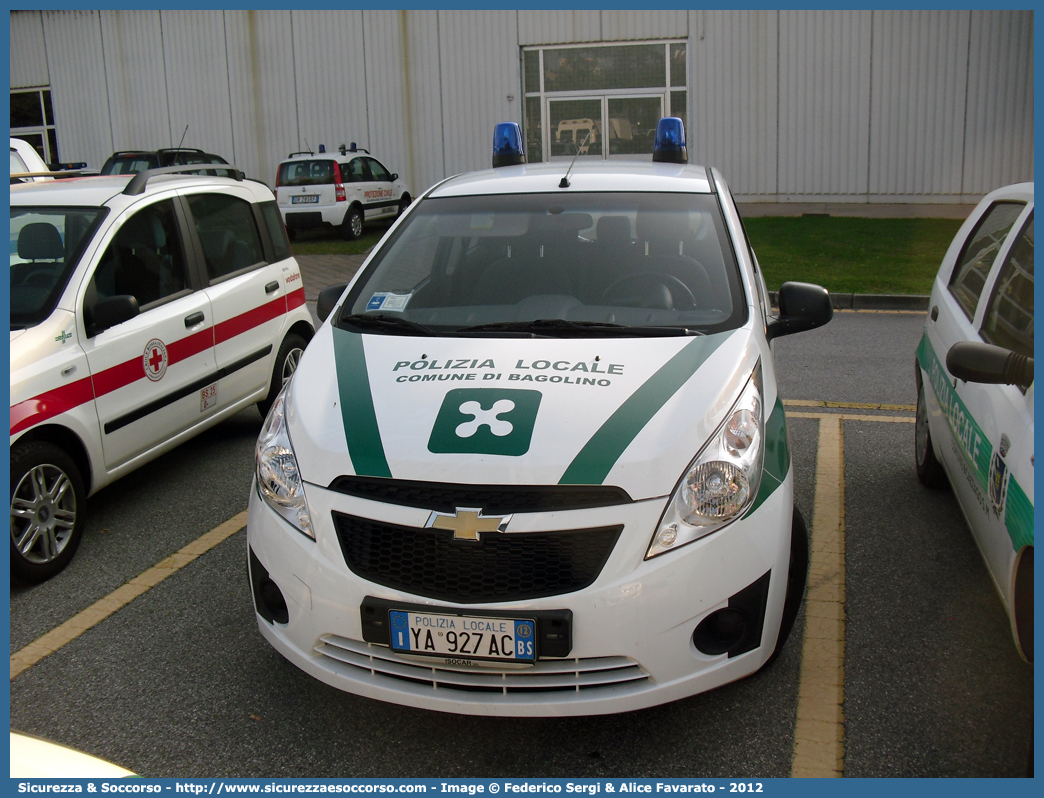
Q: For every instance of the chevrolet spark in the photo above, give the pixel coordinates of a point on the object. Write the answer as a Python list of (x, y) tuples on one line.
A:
[(535, 462)]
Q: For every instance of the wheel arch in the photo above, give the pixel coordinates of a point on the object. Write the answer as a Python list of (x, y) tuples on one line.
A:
[(69, 442)]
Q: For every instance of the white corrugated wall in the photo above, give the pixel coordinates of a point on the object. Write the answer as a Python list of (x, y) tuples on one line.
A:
[(480, 70), (791, 105), (919, 74), (998, 144), (134, 67), (733, 110), (29, 62), (197, 76)]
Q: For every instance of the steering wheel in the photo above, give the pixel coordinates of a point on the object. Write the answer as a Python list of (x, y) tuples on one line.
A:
[(675, 289)]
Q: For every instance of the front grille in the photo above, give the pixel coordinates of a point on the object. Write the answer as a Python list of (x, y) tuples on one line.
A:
[(568, 676), (491, 499), (497, 567)]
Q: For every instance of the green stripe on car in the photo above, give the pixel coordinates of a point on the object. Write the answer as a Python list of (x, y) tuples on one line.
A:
[(600, 453), (777, 455), (973, 443), (360, 419), (1018, 516)]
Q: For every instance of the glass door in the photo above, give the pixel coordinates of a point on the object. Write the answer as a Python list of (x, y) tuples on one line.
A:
[(632, 125), (575, 126)]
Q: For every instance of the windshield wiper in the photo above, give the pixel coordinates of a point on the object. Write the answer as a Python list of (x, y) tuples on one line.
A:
[(575, 328), (385, 323)]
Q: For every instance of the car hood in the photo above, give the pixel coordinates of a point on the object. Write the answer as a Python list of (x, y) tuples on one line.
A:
[(630, 413)]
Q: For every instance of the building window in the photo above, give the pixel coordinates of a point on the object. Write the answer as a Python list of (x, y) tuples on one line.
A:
[(32, 119), (599, 101)]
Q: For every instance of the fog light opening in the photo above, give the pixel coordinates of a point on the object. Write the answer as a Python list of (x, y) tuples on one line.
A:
[(274, 602), (720, 631)]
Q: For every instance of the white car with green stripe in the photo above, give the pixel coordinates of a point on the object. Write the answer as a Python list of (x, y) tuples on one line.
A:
[(535, 462), (975, 392)]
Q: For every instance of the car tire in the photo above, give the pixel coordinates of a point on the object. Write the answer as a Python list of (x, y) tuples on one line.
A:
[(352, 226), (929, 470), (287, 358), (48, 505), (797, 577), (404, 203)]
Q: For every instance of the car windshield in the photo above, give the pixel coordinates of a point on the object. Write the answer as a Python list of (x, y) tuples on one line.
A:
[(553, 264), (46, 243)]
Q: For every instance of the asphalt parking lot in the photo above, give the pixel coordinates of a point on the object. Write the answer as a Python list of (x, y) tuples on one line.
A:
[(177, 681)]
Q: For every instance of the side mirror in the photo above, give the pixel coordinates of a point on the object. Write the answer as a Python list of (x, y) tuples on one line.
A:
[(113, 310), (973, 361), (328, 299), (802, 306), (394, 177)]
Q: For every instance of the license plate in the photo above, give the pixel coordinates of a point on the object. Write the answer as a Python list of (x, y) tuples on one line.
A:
[(304, 199), (509, 639)]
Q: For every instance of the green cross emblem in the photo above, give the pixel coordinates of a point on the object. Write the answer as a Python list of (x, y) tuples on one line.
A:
[(65, 336), (485, 421)]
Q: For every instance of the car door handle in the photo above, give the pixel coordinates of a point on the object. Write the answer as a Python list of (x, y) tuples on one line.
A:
[(935, 313), (193, 319), (272, 286)]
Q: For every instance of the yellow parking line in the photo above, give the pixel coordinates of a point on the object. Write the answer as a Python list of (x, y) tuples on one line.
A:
[(819, 729), (846, 405), (47, 644), (854, 417)]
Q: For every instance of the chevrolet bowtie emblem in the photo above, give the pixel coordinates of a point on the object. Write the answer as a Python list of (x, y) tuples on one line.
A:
[(468, 522)]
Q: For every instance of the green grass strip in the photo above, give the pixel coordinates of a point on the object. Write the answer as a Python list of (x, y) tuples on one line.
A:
[(852, 255)]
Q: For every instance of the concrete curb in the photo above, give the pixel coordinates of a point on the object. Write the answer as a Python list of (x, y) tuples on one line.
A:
[(915, 302)]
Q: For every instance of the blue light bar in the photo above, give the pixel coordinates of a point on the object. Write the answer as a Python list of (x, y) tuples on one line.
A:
[(507, 145), (669, 145)]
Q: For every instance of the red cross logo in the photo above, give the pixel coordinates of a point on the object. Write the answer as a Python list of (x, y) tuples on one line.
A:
[(154, 359)]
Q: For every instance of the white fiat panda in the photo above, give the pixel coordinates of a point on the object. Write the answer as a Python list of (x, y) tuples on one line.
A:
[(535, 462), (144, 310)]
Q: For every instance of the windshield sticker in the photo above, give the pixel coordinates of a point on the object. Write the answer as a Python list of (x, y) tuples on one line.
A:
[(385, 300), (485, 421), (482, 221)]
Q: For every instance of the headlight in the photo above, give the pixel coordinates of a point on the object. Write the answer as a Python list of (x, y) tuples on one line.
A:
[(278, 477), (723, 479)]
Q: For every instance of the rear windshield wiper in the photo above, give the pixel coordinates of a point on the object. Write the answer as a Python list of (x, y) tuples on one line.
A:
[(575, 328), (385, 323)]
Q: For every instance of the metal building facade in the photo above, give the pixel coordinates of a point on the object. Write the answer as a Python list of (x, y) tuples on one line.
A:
[(862, 106)]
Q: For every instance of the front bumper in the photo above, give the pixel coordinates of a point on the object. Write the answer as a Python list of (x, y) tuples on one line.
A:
[(632, 628)]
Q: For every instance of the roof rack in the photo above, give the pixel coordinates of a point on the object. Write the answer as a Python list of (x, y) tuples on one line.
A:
[(17, 177), (302, 152), (139, 181)]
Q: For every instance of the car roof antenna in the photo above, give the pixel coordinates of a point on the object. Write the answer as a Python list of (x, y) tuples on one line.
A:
[(564, 182), (182, 137)]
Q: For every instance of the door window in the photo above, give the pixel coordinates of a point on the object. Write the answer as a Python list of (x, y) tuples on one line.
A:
[(377, 171), (144, 259), (357, 170), (978, 255), (228, 233), (1009, 317)]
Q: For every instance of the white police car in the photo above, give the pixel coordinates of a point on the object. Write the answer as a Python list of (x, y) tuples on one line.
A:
[(341, 190), (535, 462), (975, 392), (143, 311)]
